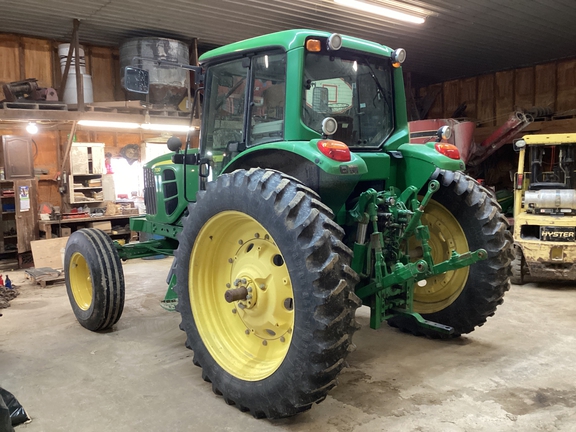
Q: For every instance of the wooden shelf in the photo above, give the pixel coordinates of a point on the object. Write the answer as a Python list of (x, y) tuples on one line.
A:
[(86, 202), (10, 236), (12, 212), (88, 188)]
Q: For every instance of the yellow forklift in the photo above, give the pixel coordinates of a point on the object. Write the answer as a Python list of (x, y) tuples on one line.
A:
[(545, 208)]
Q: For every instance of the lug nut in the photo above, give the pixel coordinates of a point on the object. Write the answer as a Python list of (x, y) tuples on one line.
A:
[(257, 235), (227, 285), (234, 311), (264, 342), (230, 260), (240, 242), (248, 297), (247, 331), (262, 287), (236, 282), (282, 339), (243, 281)]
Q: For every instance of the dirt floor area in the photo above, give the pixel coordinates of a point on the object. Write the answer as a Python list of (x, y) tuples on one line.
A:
[(515, 373)]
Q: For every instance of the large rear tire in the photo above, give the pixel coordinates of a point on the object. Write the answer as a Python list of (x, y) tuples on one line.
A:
[(463, 216), (280, 349), (94, 279)]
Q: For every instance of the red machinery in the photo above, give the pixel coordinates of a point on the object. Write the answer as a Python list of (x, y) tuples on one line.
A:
[(472, 153)]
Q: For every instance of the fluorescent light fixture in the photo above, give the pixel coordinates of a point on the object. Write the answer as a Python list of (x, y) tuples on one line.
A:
[(109, 124), (266, 61), (383, 11), (145, 126), (166, 127), (32, 128)]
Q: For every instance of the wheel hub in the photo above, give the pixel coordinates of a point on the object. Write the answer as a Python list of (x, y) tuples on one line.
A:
[(264, 313)]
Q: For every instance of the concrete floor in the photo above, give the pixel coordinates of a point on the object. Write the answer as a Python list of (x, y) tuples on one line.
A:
[(516, 373)]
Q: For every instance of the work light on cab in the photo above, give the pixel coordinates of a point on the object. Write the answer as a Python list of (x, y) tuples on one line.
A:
[(335, 150)]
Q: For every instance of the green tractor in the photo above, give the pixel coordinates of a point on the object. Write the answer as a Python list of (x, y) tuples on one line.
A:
[(304, 201)]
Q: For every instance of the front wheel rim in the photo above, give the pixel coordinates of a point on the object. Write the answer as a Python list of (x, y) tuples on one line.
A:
[(249, 338), (80, 281), (446, 235)]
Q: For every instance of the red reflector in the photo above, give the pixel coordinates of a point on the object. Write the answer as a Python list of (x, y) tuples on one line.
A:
[(335, 150), (519, 181), (449, 150)]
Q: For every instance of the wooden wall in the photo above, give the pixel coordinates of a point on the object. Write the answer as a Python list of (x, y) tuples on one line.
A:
[(491, 98), (24, 57)]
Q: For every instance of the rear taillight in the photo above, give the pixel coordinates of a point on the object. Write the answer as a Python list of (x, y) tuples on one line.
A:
[(335, 150), (449, 150)]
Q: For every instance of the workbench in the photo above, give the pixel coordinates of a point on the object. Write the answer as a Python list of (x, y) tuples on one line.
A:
[(55, 226)]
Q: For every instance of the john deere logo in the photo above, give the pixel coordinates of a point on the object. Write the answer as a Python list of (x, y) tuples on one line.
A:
[(157, 170)]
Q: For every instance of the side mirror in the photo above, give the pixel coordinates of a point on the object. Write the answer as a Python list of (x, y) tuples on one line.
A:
[(136, 80), (204, 169), (174, 144)]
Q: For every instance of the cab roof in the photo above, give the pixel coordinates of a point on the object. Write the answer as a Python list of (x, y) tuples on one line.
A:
[(290, 39)]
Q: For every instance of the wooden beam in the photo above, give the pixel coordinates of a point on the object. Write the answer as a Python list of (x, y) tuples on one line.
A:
[(14, 114)]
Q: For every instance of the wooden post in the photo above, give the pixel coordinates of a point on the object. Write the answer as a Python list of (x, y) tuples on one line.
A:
[(193, 61), (68, 147), (69, 60), (79, 76)]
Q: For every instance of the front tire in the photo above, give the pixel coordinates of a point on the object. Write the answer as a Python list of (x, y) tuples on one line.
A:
[(462, 216), (280, 350), (518, 267), (94, 279)]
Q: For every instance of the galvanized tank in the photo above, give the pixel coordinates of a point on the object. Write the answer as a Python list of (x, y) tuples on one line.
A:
[(167, 84)]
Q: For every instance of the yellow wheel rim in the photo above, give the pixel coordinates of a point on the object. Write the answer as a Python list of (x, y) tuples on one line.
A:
[(80, 281), (446, 234), (248, 338)]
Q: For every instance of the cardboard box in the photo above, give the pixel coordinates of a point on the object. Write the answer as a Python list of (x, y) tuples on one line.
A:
[(105, 226), (65, 232)]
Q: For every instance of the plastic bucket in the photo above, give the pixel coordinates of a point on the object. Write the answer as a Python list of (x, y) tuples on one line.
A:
[(63, 55), (70, 93)]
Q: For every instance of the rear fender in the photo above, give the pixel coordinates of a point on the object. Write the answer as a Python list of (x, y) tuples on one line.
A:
[(332, 180), (417, 163)]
